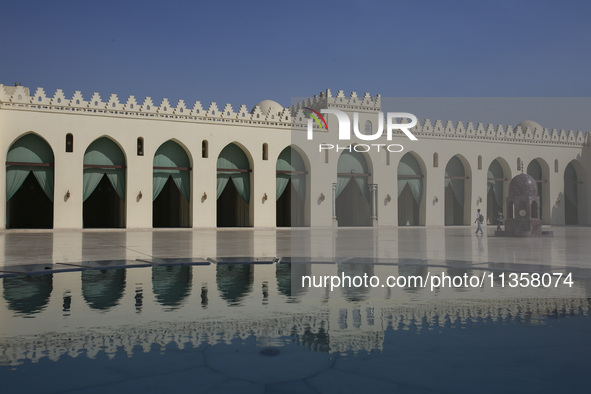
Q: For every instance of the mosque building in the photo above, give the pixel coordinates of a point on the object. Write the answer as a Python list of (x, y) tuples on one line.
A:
[(73, 163)]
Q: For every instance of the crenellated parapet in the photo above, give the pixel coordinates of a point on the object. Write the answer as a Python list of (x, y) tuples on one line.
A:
[(325, 99), (19, 98), (294, 118)]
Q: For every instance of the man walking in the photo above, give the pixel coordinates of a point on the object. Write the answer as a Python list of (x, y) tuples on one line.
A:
[(479, 220), (500, 219)]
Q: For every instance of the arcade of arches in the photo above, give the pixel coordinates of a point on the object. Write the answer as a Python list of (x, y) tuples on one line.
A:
[(30, 187)]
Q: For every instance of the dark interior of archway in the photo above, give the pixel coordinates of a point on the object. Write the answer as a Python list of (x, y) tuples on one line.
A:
[(492, 207), (29, 207), (352, 208), (104, 208), (289, 208), (454, 211), (170, 208), (408, 209), (232, 210), (571, 211)]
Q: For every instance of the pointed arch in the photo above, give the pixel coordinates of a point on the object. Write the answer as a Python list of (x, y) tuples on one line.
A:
[(411, 190), (104, 184), (353, 202), (458, 191), (29, 163), (540, 171), (573, 192), (233, 198), (291, 188), (498, 177), (171, 190)]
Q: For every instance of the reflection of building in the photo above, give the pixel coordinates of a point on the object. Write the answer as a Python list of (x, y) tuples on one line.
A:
[(83, 310), (74, 163)]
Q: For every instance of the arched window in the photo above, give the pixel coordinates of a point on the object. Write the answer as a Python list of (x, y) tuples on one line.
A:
[(265, 151), (435, 159), (368, 128), (205, 149), (519, 164), (140, 146), (479, 162), (556, 165), (69, 142)]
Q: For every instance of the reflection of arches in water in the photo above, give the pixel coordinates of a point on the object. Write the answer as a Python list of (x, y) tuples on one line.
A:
[(234, 281), (171, 284), (351, 292), (409, 271), (102, 289), (28, 294), (289, 278)]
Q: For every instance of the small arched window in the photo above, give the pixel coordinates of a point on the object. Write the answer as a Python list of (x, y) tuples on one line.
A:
[(368, 128), (519, 164), (205, 149), (69, 142), (435, 159), (140, 146), (556, 165), (479, 162), (265, 151)]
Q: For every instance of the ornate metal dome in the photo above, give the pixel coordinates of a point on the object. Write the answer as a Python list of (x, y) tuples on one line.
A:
[(523, 185)]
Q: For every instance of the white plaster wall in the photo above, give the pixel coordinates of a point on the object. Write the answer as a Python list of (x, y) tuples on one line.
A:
[(86, 126)]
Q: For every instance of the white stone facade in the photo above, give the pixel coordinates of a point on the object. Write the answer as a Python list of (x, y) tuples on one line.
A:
[(53, 117)]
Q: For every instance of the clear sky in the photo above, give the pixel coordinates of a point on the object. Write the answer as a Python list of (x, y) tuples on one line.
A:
[(243, 52)]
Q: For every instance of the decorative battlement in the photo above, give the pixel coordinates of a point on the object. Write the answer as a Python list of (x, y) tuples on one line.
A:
[(19, 98), (353, 102)]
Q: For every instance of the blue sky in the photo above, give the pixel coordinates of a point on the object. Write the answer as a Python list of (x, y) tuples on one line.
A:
[(244, 52)]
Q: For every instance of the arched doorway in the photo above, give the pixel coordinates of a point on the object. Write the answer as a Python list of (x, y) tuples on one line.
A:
[(353, 204), (571, 195), (495, 196), (29, 183), (233, 198), (104, 185), (171, 193), (538, 169), (290, 188), (456, 203), (410, 191)]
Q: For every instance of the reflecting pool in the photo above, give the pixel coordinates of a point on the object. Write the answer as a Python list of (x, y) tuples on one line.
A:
[(232, 327)]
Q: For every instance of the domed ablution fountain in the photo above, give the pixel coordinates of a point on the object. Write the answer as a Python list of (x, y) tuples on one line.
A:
[(523, 209)]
